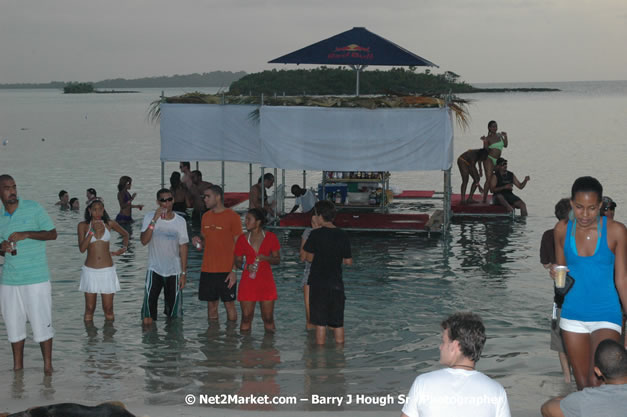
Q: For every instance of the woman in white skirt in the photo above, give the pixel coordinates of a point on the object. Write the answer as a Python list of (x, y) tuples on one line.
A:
[(98, 275)]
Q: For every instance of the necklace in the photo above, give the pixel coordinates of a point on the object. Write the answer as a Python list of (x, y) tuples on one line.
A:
[(472, 368)]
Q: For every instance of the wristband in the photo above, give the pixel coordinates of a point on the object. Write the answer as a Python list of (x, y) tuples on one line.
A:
[(184, 273), (151, 227)]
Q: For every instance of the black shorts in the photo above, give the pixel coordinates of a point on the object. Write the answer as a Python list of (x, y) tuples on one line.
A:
[(510, 197), (326, 306), (213, 287)]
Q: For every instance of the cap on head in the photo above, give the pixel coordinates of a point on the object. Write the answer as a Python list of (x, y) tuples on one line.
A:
[(501, 162)]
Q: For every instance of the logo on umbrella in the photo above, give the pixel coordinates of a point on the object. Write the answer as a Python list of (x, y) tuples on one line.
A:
[(352, 48), (351, 51)]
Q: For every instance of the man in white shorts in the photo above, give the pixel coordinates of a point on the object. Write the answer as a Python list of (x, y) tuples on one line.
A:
[(165, 233), (25, 292), (459, 389)]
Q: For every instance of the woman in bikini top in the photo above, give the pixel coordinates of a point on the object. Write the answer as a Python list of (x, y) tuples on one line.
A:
[(494, 143)]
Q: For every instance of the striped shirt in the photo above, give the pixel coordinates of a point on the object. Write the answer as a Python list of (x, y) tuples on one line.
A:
[(30, 265)]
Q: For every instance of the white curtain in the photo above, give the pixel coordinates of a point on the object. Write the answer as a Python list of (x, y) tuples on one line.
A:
[(312, 138)]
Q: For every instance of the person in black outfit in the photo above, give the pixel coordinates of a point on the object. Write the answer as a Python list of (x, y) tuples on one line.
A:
[(502, 184), (547, 259), (327, 248)]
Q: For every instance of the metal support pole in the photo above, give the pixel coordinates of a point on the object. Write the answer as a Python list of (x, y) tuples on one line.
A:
[(447, 200), (250, 176), (284, 191), (304, 179), (162, 174), (263, 189), (276, 203), (222, 183)]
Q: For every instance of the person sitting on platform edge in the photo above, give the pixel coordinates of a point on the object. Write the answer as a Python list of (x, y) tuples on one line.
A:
[(305, 199), (502, 183), (608, 400), (459, 389)]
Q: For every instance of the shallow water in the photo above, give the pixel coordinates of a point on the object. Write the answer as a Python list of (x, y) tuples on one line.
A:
[(398, 291)]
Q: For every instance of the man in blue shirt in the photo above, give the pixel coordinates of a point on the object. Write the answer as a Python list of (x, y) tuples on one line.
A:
[(25, 292)]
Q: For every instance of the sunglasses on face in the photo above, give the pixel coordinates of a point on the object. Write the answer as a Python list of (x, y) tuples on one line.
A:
[(206, 196), (166, 200)]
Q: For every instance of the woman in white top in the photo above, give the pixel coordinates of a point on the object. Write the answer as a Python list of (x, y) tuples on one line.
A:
[(98, 275)]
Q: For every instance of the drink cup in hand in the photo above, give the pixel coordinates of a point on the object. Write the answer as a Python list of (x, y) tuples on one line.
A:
[(560, 275), (13, 248)]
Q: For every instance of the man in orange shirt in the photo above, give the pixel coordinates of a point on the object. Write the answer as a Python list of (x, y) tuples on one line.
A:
[(220, 229)]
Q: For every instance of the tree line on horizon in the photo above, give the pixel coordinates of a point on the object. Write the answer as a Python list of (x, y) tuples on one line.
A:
[(207, 79)]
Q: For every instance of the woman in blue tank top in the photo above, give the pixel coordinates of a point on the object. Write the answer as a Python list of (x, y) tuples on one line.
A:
[(595, 250)]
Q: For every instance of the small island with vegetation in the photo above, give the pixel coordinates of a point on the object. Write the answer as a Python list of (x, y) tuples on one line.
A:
[(86, 88)]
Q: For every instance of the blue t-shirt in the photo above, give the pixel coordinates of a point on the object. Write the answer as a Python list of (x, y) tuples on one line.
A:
[(593, 296), (30, 265)]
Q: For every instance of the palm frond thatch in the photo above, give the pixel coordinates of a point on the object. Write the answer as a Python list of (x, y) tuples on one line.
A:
[(458, 105)]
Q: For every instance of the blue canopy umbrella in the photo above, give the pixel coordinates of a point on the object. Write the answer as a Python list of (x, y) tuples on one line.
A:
[(357, 48)]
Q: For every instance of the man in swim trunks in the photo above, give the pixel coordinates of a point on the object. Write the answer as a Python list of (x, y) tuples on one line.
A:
[(25, 292), (502, 183), (165, 233), (219, 229)]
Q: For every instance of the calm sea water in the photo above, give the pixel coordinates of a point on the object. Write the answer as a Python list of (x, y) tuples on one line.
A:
[(398, 290)]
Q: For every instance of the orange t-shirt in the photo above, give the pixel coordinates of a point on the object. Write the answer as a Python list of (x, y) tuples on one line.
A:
[(219, 231)]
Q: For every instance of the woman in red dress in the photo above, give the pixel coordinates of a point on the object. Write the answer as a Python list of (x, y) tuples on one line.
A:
[(261, 250)]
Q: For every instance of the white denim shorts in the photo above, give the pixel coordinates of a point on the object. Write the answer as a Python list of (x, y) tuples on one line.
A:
[(32, 303), (577, 326)]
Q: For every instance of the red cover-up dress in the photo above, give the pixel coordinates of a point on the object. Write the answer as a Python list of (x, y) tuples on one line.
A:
[(262, 288)]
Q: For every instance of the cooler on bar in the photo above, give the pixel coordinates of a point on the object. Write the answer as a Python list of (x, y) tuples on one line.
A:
[(332, 189)]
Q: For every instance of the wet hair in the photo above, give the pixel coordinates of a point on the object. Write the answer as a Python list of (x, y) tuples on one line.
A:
[(105, 216), (175, 180), (124, 179), (266, 176), (326, 209), (217, 190), (185, 164), (197, 173), (72, 200), (258, 214), (163, 191), (562, 208), (6, 177), (491, 122), (501, 161), (468, 330), (587, 185), (92, 192), (611, 359), (62, 193)]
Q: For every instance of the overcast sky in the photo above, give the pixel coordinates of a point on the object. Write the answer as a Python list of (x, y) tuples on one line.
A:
[(482, 40)]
